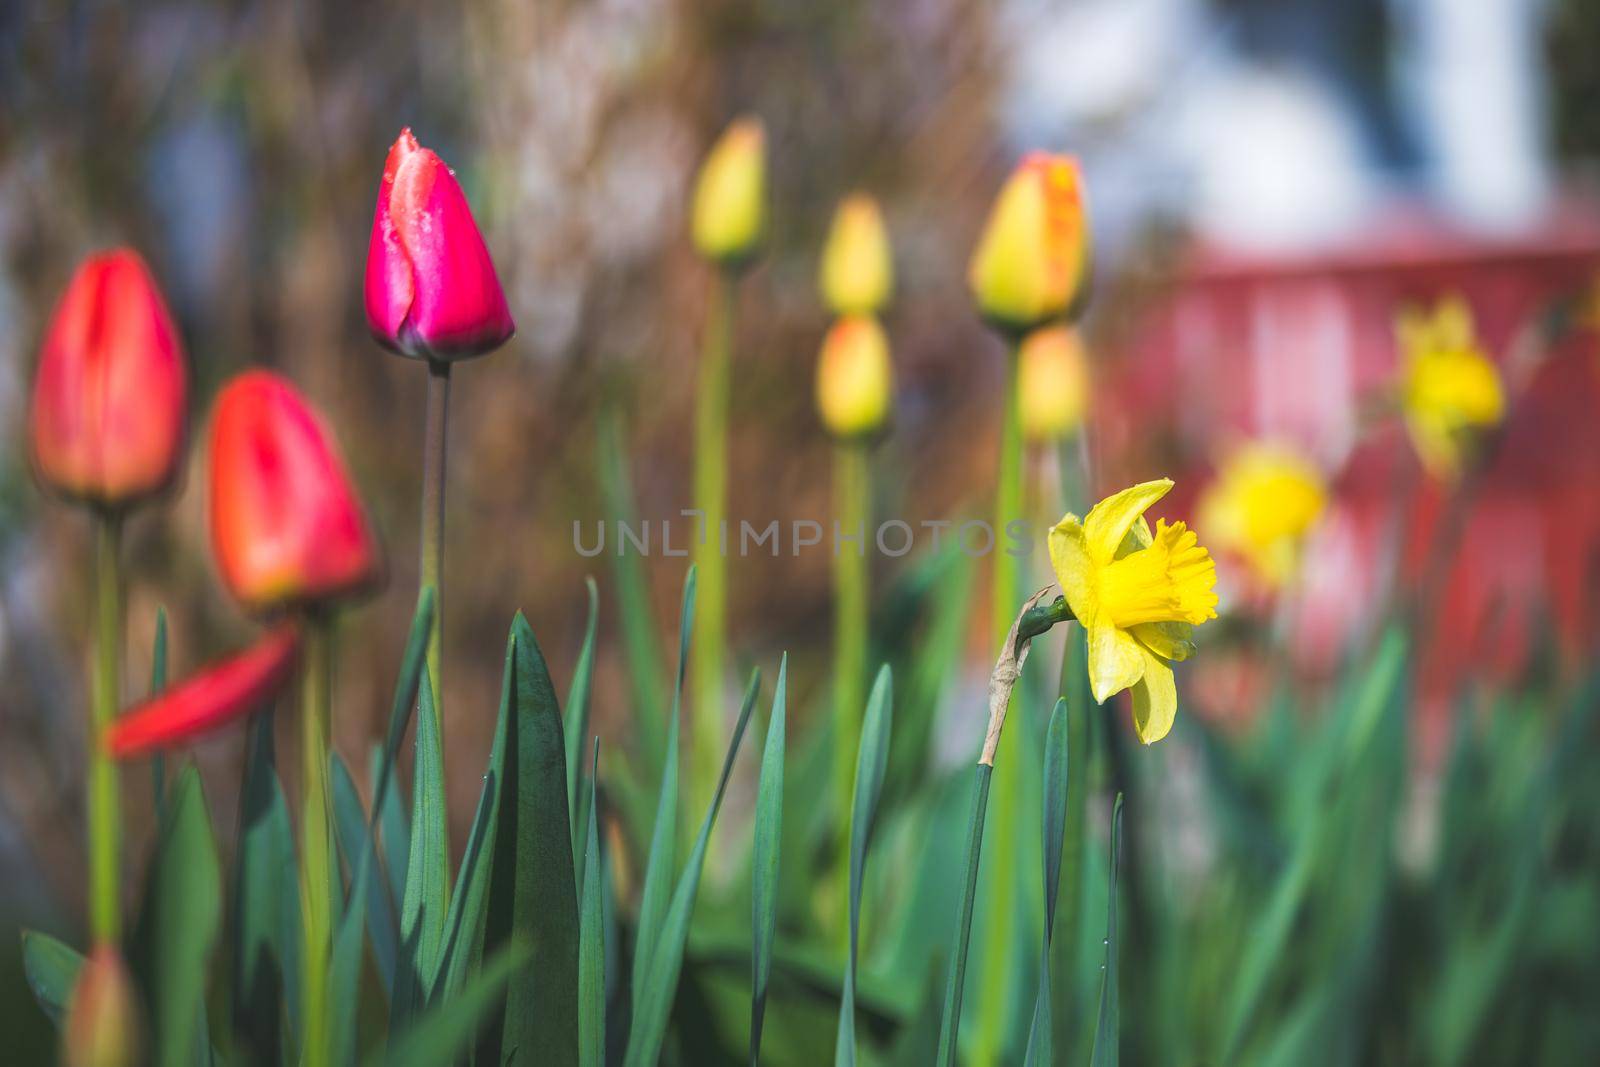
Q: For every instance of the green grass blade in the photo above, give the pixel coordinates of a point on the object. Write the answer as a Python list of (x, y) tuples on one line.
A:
[(265, 920), (656, 895), (872, 759), (1107, 1028), (576, 727), (158, 682), (652, 1010), (591, 940), (422, 911), (640, 647), (1040, 1038), (51, 968), (533, 898), (764, 862), (355, 843), (344, 964), (178, 928), (445, 1033), (394, 829), (955, 984)]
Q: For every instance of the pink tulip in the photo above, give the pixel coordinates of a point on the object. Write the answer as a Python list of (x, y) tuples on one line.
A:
[(432, 291)]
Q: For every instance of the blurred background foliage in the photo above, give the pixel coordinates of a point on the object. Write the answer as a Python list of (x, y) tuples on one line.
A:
[(1251, 165)]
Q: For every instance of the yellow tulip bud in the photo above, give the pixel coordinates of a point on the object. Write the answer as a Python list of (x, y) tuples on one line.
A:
[(1052, 384), (102, 1024), (1033, 259), (857, 266), (854, 380), (730, 195)]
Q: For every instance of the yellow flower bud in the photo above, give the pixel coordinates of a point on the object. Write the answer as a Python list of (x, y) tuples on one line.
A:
[(102, 1024), (1052, 384), (1265, 502), (857, 266), (1033, 259), (730, 195), (855, 383)]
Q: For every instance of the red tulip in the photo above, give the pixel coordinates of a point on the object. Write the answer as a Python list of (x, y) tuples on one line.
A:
[(109, 403), (286, 526), (214, 696), (432, 291)]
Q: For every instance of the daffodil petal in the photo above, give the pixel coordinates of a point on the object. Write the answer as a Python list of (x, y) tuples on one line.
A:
[(1170, 640), (1116, 660), (1069, 557), (1112, 519), (1137, 537), (1155, 700)]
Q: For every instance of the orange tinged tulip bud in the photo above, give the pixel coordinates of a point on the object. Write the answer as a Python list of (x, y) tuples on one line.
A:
[(286, 525), (730, 196), (857, 266), (431, 288), (209, 698), (1033, 259), (102, 1023), (110, 399), (1052, 384), (855, 383)]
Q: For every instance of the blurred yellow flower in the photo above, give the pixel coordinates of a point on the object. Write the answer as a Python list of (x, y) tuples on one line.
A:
[(730, 195), (1052, 384), (1264, 502), (1450, 390), (855, 383), (1033, 258), (1138, 596), (857, 265)]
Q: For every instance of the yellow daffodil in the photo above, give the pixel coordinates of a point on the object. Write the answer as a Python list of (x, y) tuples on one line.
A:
[(857, 267), (855, 383), (1138, 596), (1450, 390), (1264, 502), (1033, 258), (730, 196), (1052, 384)]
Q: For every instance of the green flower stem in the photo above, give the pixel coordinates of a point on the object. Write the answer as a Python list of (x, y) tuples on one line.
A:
[(435, 435), (999, 963), (852, 496), (316, 842), (711, 498), (105, 916)]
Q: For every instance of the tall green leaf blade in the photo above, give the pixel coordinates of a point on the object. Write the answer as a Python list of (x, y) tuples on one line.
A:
[(422, 912), (183, 910), (956, 981), (1107, 1029), (356, 845), (344, 964), (764, 861), (158, 682), (576, 727), (533, 898), (872, 759), (651, 1011), (444, 1033), (1041, 1037), (591, 940), (51, 967), (394, 829), (655, 898), (265, 920)]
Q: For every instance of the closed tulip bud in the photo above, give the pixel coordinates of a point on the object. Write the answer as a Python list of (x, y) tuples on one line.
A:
[(855, 383), (110, 399), (1052, 384), (857, 265), (286, 525), (102, 1023), (431, 290), (207, 699), (730, 195), (1033, 259)]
